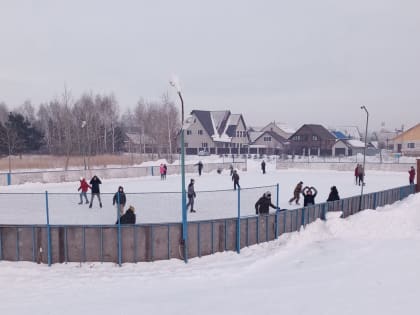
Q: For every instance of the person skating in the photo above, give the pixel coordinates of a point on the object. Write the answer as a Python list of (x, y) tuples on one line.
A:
[(263, 166), (119, 199), (191, 195), (129, 217), (165, 171), (263, 204), (296, 193), (231, 169), (412, 175), (200, 167), (356, 174), (162, 172), (235, 178), (309, 194), (333, 196), (95, 182), (83, 188)]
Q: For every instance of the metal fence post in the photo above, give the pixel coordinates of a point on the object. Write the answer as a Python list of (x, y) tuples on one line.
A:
[(276, 235), (48, 229), (119, 228), (9, 179), (238, 224)]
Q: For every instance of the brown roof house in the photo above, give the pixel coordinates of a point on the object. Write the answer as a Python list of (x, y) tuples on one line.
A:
[(408, 142), (312, 140)]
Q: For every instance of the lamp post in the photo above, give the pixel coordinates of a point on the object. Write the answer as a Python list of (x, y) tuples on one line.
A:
[(175, 84), (364, 155), (84, 144)]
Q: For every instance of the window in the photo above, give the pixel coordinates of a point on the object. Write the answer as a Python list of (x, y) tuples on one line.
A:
[(411, 145), (315, 138), (297, 138), (204, 145), (267, 139), (200, 132), (189, 132), (238, 134)]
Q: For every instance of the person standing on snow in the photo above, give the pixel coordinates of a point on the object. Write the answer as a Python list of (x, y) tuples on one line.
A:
[(309, 194), (165, 171), (200, 167), (83, 188), (263, 166), (161, 171), (356, 173), (333, 196), (235, 178), (120, 199), (412, 175), (191, 195), (95, 182)]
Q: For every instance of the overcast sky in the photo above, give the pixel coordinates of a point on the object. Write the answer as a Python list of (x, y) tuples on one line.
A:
[(294, 62)]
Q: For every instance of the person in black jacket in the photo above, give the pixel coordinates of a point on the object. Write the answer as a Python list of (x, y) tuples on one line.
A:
[(263, 204), (333, 194), (95, 182), (119, 199), (235, 178), (191, 195), (263, 166), (309, 194), (129, 217)]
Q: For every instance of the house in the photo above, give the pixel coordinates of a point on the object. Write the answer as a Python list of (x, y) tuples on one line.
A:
[(282, 130), (408, 142), (267, 142), (217, 132), (311, 139), (347, 147)]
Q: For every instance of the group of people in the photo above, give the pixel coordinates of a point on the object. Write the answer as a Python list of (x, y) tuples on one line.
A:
[(163, 169), (309, 194), (119, 199), (359, 174)]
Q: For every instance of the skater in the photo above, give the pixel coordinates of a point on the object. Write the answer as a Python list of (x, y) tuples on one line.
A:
[(95, 182), (83, 188), (412, 174), (165, 171), (191, 195), (361, 174), (356, 173), (263, 204), (200, 167), (309, 194), (231, 169), (296, 193), (235, 178), (333, 196), (119, 199), (263, 166), (162, 171), (129, 217)]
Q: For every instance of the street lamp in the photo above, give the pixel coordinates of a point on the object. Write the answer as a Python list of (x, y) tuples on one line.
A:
[(84, 144), (364, 155), (174, 83)]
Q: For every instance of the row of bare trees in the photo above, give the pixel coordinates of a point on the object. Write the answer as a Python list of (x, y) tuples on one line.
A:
[(92, 125)]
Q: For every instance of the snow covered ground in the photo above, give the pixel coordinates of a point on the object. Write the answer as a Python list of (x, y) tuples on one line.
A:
[(365, 264)]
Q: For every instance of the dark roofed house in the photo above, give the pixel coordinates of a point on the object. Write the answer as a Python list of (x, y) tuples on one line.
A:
[(311, 139), (218, 132), (267, 142)]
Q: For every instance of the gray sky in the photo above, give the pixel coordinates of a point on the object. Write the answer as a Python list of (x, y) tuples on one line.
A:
[(290, 61)]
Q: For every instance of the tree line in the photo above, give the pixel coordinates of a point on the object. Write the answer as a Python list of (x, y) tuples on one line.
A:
[(89, 125)]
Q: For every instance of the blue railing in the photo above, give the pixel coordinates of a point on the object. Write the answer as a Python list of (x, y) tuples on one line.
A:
[(150, 242)]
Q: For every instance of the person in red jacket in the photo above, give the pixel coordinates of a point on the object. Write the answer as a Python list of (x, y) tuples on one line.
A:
[(412, 174), (83, 188)]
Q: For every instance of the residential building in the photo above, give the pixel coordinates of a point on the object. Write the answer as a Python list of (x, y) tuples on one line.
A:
[(311, 139), (408, 142)]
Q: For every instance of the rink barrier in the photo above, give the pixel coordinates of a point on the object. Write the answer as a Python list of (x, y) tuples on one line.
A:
[(58, 176), (120, 244)]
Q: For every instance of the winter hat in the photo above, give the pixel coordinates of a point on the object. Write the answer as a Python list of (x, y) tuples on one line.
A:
[(81, 178), (267, 194), (131, 208)]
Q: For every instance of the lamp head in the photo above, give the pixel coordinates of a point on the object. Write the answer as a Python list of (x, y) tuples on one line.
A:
[(175, 83)]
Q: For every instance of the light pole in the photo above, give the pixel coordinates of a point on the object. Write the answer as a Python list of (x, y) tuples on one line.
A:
[(83, 144), (175, 84), (364, 155)]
